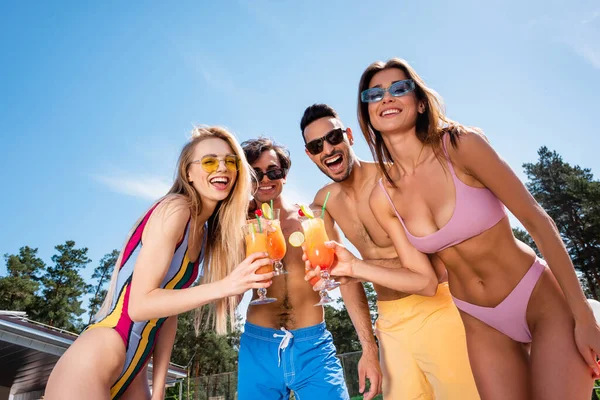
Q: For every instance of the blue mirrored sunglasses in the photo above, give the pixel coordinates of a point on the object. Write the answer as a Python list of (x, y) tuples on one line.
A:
[(396, 89)]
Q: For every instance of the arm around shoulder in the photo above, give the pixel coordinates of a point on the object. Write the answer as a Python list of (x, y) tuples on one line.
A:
[(416, 275)]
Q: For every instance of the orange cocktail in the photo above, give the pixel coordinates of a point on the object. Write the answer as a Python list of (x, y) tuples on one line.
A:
[(276, 243), (315, 237), (317, 253), (256, 242)]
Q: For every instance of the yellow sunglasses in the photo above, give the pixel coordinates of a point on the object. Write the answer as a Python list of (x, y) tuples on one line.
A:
[(211, 163)]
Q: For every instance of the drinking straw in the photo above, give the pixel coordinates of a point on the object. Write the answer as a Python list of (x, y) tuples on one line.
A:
[(324, 203), (259, 226), (272, 212)]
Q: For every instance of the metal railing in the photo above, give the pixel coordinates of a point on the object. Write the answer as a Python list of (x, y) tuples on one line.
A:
[(224, 386)]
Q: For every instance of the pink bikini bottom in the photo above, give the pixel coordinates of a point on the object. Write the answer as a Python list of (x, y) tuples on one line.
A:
[(509, 316)]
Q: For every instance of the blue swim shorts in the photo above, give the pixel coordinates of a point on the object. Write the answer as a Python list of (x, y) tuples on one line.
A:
[(273, 362)]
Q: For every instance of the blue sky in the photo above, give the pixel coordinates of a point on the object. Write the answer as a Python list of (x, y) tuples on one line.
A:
[(97, 99)]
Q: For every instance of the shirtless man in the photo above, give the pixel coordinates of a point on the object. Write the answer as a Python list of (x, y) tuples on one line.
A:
[(422, 344), (285, 345)]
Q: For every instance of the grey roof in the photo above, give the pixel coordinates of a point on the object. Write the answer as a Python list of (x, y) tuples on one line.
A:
[(29, 350)]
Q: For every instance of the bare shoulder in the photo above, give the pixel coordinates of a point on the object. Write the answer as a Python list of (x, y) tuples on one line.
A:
[(333, 188), (372, 169), (472, 149), (378, 200), (468, 140), (172, 212)]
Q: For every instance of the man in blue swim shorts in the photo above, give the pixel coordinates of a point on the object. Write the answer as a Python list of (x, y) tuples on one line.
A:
[(285, 345)]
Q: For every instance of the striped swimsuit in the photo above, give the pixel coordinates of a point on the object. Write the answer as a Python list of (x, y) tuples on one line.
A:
[(140, 337)]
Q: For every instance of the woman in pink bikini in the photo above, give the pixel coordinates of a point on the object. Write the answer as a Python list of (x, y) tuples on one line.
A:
[(443, 193)]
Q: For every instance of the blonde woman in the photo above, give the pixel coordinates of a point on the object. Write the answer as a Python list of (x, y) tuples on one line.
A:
[(199, 219)]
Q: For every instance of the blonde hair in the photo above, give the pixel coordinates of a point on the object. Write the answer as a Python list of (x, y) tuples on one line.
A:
[(431, 125), (225, 244)]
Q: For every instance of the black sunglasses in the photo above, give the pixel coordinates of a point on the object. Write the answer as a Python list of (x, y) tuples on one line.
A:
[(334, 137), (272, 174)]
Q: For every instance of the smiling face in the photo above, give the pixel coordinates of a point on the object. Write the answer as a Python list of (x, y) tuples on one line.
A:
[(212, 182), (393, 113), (267, 189), (335, 161)]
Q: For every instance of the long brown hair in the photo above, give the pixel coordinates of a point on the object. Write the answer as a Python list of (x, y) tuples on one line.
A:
[(224, 247), (430, 126)]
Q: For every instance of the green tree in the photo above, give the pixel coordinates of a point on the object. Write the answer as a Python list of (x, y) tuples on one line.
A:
[(205, 352), (18, 289), (372, 298), (63, 288), (341, 328), (340, 325), (571, 196), (102, 273)]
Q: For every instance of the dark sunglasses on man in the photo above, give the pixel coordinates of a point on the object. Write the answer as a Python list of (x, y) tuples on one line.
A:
[(272, 174), (334, 137)]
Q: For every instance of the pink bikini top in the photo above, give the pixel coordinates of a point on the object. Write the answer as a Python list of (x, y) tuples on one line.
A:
[(475, 211)]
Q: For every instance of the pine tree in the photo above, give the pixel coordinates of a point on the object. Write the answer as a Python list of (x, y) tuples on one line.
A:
[(571, 196), (103, 274), (18, 290), (63, 288)]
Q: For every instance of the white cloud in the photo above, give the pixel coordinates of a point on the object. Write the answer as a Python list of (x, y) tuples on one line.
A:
[(589, 51), (145, 187), (207, 68), (578, 28), (217, 76)]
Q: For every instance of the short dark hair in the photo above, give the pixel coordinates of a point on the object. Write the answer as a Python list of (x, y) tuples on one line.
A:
[(253, 148), (315, 112)]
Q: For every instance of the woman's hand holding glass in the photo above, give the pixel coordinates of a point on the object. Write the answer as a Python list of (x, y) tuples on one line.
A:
[(342, 267), (244, 276), (344, 261)]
